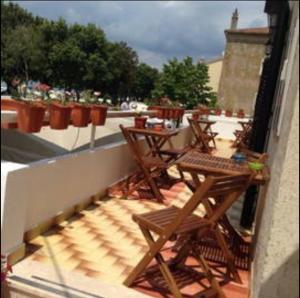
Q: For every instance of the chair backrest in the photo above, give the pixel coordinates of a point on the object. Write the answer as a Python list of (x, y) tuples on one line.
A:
[(224, 189), (253, 156), (133, 143), (199, 134)]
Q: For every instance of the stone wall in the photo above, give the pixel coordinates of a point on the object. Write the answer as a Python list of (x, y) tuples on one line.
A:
[(240, 74), (214, 72), (276, 258)]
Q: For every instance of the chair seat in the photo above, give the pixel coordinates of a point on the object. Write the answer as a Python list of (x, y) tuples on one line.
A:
[(238, 132), (154, 162), (157, 221), (214, 134), (174, 151)]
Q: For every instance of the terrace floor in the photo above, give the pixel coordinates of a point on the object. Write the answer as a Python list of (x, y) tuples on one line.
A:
[(102, 242)]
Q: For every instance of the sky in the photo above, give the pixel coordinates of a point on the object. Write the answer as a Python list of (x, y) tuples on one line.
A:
[(158, 30)]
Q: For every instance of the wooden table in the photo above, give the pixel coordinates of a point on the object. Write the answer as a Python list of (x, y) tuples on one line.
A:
[(206, 164), (244, 124), (151, 161), (196, 163), (155, 139), (208, 124)]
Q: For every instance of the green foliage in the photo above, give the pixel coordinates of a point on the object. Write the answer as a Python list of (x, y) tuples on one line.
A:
[(185, 82), (22, 54), (145, 80), (67, 64), (80, 57), (69, 56), (122, 62)]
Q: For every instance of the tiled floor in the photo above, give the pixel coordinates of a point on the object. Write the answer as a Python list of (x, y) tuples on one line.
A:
[(104, 243)]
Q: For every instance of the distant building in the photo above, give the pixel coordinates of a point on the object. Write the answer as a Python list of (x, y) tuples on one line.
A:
[(214, 72), (240, 76)]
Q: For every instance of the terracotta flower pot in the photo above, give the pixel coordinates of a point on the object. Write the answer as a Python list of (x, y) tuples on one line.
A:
[(165, 113), (172, 113), (181, 113), (10, 104), (218, 112), (30, 117), (59, 116), (158, 127), (140, 122), (80, 115), (240, 114), (98, 114), (152, 108), (228, 113), (177, 113), (159, 113), (195, 116), (203, 111)]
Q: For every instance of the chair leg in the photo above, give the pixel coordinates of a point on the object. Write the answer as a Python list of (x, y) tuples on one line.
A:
[(162, 265), (228, 255), (153, 187), (132, 189), (214, 283)]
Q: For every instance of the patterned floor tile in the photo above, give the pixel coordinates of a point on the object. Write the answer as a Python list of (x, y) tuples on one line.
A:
[(102, 241)]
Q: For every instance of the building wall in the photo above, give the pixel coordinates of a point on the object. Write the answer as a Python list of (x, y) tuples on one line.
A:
[(214, 72), (240, 75), (276, 258)]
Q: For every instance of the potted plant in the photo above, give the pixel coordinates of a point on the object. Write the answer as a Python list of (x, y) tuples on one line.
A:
[(80, 114), (177, 113), (158, 127), (140, 121), (228, 113), (30, 116), (195, 116), (218, 111), (59, 114), (240, 113), (98, 114), (10, 104)]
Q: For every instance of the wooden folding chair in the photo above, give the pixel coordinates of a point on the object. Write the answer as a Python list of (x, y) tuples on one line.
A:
[(253, 156), (171, 222), (201, 139), (243, 136), (150, 167)]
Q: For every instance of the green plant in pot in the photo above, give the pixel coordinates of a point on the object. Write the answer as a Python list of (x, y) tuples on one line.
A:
[(228, 111), (30, 116), (80, 114), (240, 113), (218, 111), (59, 114), (98, 112), (229, 108)]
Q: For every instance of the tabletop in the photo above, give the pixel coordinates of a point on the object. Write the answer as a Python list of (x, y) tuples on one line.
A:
[(206, 163), (153, 132), (204, 121)]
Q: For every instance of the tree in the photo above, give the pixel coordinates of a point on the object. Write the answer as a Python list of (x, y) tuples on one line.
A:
[(22, 55), (67, 62), (144, 82), (18, 52), (122, 64), (92, 41), (185, 82)]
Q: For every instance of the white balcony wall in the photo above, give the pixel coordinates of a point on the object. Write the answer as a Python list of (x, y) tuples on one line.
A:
[(42, 190)]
